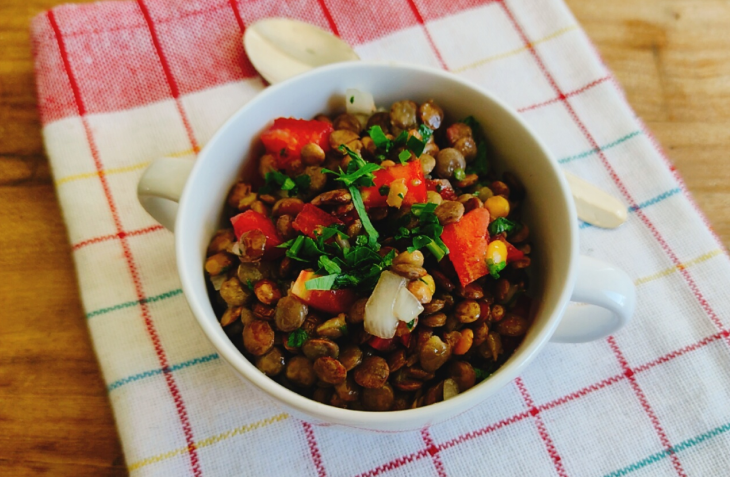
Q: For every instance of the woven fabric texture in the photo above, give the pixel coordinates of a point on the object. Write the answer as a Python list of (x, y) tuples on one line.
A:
[(122, 83)]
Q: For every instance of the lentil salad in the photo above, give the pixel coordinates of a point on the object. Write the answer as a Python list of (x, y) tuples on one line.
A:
[(378, 263)]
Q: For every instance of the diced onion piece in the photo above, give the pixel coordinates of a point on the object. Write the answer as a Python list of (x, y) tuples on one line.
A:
[(217, 280), (235, 249), (451, 389), (407, 307), (359, 102), (397, 192), (380, 319)]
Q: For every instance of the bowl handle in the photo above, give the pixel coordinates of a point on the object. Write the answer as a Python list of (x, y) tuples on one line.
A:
[(160, 187), (606, 299)]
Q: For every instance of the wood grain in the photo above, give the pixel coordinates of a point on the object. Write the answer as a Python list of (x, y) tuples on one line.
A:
[(671, 56)]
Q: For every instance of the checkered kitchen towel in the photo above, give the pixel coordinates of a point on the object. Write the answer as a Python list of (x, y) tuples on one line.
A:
[(122, 83)]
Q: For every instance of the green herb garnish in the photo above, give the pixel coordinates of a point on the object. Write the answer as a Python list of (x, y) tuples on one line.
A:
[(321, 283), (352, 99), (297, 338), (428, 232), (418, 145), (481, 374), (329, 265), (384, 190), (278, 180), (366, 224), (380, 139), (411, 324), (359, 172), (404, 155), (382, 142), (401, 139), (501, 225), (479, 165), (495, 268), (249, 284), (459, 174), (343, 330)]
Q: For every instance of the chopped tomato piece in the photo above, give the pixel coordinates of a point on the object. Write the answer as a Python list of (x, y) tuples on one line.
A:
[(382, 344), (251, 220), (287, 136), (328, 301), (512, 253), (411, 172), (467, 240), (312, 217), (440, 186)]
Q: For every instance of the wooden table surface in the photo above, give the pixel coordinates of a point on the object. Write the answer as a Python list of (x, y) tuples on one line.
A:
[(671, 56)]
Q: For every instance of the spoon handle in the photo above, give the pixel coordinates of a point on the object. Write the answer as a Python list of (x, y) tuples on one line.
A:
[(595, 206)]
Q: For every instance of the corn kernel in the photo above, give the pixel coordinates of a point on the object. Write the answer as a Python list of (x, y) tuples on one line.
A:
[(497, 206), (497, 251)]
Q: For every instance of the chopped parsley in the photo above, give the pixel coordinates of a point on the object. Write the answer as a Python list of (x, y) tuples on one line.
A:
[(297, 338), (364, 218), (358, 173), (321, 283), (404, 155), (418, 145), (278, 180), (379, 138), (495, 268), (382, 142), (480, 165), (249, 284), (384, 190), (352, 99), (343, 330), (329, 265), (428, 232), (501, 225), (459, 174)]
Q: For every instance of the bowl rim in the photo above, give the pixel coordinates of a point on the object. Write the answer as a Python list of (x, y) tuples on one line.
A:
[(367, 419)]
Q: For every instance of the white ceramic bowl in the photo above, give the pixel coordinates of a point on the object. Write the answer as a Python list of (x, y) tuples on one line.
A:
[(550, 214)]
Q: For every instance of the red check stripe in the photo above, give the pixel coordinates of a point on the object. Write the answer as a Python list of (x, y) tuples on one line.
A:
[(174, 90), (566, 95), (647, 407), (433, 451), (541, 429), (314, 449), (118, 235), (328, 16), (421, 22), (682, 351), (129, 258)]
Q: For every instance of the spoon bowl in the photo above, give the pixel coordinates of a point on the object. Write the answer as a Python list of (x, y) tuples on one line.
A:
[(280, 48)]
